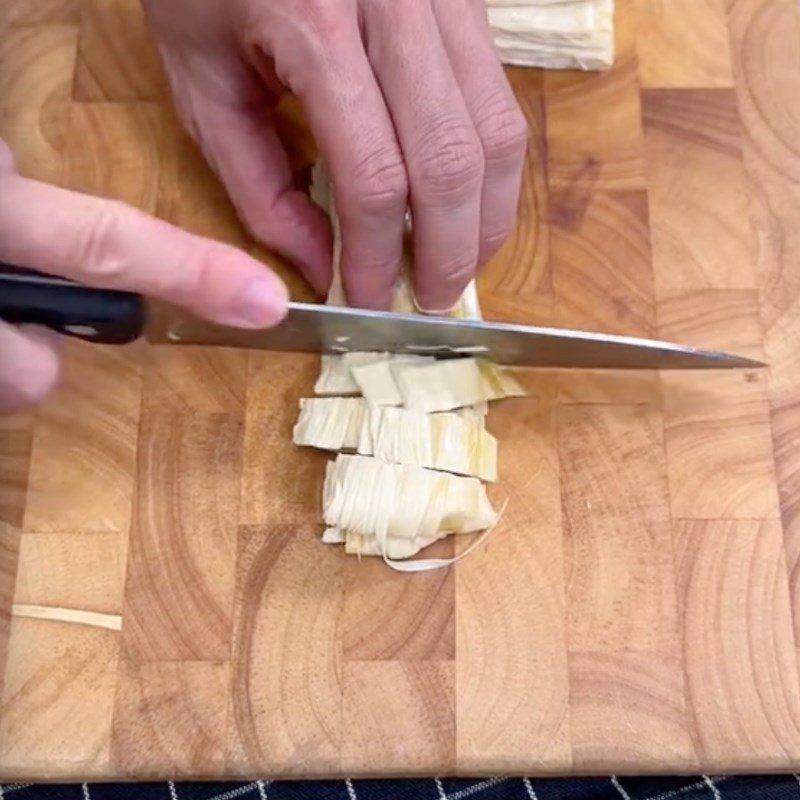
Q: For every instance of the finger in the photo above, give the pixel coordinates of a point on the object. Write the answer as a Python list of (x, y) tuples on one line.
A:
[(500, 123), (108, 244), (29, 367), (441, 147), (240, 142), (324, 63)]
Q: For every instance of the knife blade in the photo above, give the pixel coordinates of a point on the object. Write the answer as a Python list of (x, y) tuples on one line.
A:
[(114, 317), (333, 329)]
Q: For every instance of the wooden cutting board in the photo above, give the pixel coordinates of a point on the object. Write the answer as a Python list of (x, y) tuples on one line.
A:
[(638, 608)]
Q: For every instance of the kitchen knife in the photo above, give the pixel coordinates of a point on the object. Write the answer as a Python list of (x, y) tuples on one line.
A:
[(114, 317)]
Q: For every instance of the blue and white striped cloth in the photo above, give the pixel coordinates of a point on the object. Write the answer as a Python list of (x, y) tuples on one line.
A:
[(783, 787)]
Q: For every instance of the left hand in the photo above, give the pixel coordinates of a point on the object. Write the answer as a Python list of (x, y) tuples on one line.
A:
[(408, 103)]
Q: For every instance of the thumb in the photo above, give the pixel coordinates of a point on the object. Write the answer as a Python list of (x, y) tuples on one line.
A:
[(111, 245), (29, 367)]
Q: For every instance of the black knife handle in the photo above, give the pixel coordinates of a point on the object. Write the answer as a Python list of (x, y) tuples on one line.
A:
[(104, 316)]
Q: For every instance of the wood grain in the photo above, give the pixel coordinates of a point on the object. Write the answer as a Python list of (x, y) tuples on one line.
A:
[(385, 618), (600, 254), (740, 663), (637, 608), (36, 66), (116, 58), (594, 134), (47, 726), (511, 631), (683, 44), (170, 718), (719, 447), (9, 553), (629, 708), (517, 282), (409, 729), (619, 580), (179, 591), (82, 470), (288, 603), (72, 570), (288, 484), (698, 204), (194, 379)]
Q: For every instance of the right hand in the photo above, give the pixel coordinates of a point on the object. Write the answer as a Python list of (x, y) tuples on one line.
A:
[(107, 244)]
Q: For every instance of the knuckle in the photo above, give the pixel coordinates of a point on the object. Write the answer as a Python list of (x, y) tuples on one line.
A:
[(457, 273), (325, 20), (452, 162), (98, 259), (379, 183), (503, 131)]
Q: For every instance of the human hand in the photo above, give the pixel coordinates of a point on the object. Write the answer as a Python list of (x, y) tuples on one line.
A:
[(407, 100), (107, 244)]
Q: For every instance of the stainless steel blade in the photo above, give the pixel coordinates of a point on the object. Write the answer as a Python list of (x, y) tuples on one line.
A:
[(332, 329)]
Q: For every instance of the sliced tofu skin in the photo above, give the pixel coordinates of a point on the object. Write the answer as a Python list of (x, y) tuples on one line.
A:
[(372, 499)]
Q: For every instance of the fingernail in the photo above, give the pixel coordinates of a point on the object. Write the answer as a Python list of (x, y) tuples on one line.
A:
[(434, 312), (261, 304)]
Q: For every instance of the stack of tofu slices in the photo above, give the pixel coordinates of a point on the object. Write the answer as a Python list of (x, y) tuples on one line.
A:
[(413, 452), (555, 34)]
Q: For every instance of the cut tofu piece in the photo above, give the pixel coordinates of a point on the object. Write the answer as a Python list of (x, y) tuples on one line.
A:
[(578, 34), (336, 377), (377, 382), (330, 423), (455, 383), (370, 498), (445, 442)]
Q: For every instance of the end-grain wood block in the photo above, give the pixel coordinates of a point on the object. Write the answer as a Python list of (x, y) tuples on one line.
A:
[(48, 726), (286, 681), (609, 387), (191, 196), (683, 44), (83, 571), (115, 150), (179, 590), (741, 668), (785, 419), (512, 691), (516, 283), (700, 229), (765, 55), (717, 429), (117, 58), (386, 617), (629, 708), (400, 715), (766, 86), (170, 718), (279, 479), (619, 578), (36, 66), (719, 446), (594, 130), (601, 261), (9, 550), (16, 436), (716, 319), (195, 379), (83, 460)]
